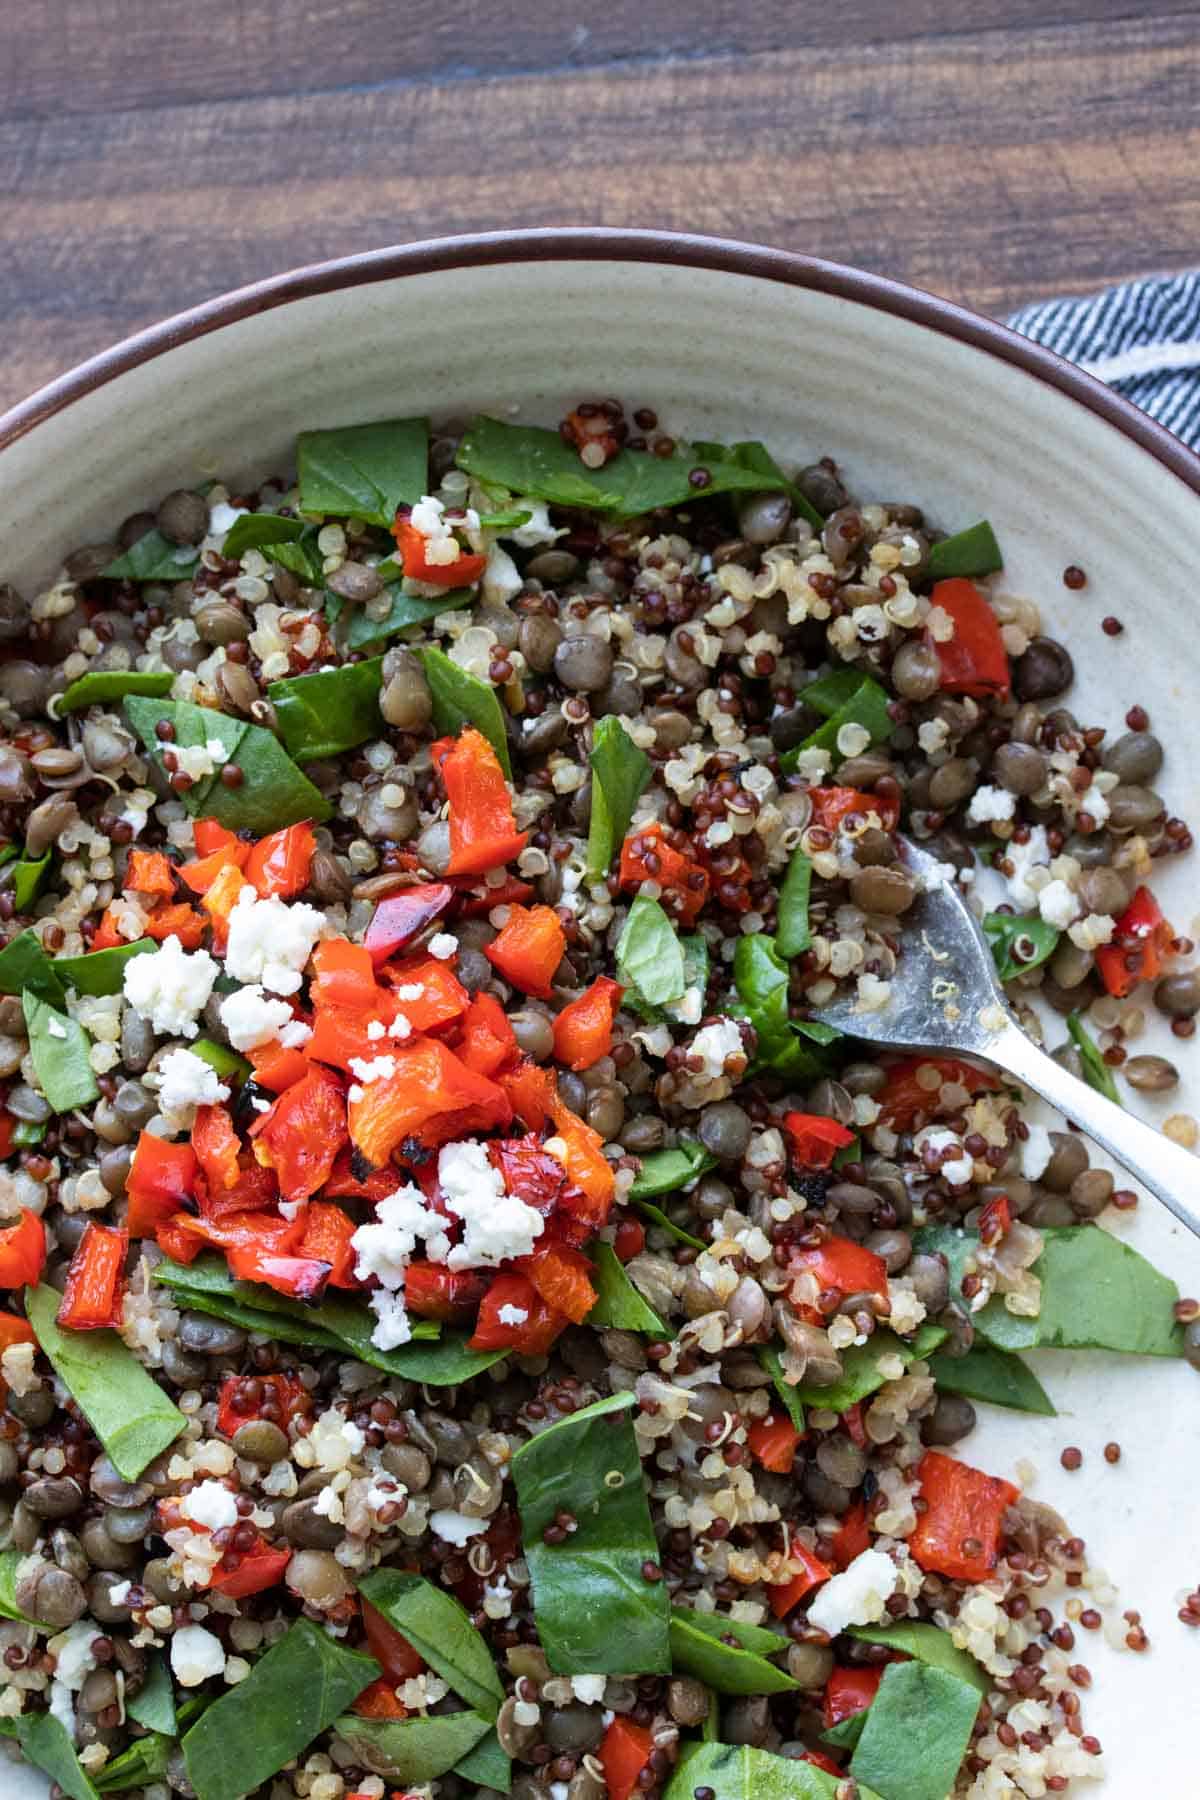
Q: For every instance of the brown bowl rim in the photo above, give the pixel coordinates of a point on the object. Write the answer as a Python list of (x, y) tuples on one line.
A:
[(592, 244)]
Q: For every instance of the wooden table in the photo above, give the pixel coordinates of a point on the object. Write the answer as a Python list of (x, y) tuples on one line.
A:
[(157, 151)]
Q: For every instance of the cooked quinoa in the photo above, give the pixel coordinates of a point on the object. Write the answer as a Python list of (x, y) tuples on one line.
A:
[(468, 1327)]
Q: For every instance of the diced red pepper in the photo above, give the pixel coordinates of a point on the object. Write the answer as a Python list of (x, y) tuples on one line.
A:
[(819, 1760), (8, 1127), (904, 1099), (648, 855), (217, 1147), (301, 1135), (276, 1068), (488, 1042), (180, 921), (22, 1251), (563, 1278), (402, 917), (474, 904), (279, 864), (241, 1573), (852, 1536), (299, 1277), (161, 1180), (974, 661), (246, 1230), (327, 1234), (831, 806), (529, 1335), (254, 1189), (279, 1399), (432, 1291), (773, 1441), (463, 572), (850, 1690), (393, 1652), (107, 935), (586, 1165), (528, 949), (339, 1035), (531, 1091), (483, 832), (529, 1171), (219, 900), (441, 995), (95, 1281), (815, 1139), (625, 1750), (149, 872), (344, 976), (783, 1595), (200, 874), (14, 1331), (959, 1532), (583, 1030), (379, 1702), (431, 1098), (630, 1240), (843, 1265), (995, 1220), (344, 1184), (209, 835), (1141, 938), (852, 1419)]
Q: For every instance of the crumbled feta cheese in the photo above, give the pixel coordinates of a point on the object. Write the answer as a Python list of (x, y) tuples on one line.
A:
[(444, 945), (222, 517), (513, 1315), (210, 1505), (497, 1226), (714, 1044), (502, 580), (441, 545), (409, 990), (196, 1655), (62, 1707), (956, 1169), (376, 1029), (456, 1527), (1036, 1152), (989, 804), (537, 528), (399, 1027), (858, 1596), (269, 941), (294, 1034), (186, 1081), (392, 1326), (72, 1650), (1026, 857), (1058, 905), (384, 1247), (1094, 802), (372, 1068), (170, 987), (251, 1019)]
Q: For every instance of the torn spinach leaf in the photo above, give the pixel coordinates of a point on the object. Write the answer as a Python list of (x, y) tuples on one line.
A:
[(154, 1703), (302, 558), (153, 558), (45, 1743), (334, 710), (738, 1772), (103, 685), (10, 1562), (697, 1648), (665, 1171), (25, 968), (256, 531), (1096, 1071), (996, 1376), (973, 551), (619, 773), (772, 1362), (439, 1629), (144, 1762), (99, 971), (28, 878), (657, 1216), (618, 1303), (650, 955), (364, 471), (228, 1064), (792, 934), (273, 793), (917, 1732), (761, 978), (929, 1644), (866, 706), (60, 1050), (486, 1765), (411, 1751), (861, 1374), (460, 699), (358, 630), (1019, 943)]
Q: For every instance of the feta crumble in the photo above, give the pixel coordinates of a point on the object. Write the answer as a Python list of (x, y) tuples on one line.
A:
[(187, 1081), (497, 1226), (170, 987), (269, 941), (211, 1506), (989, 804), (1036, 1152), (251, 1019), (513, 1315), (196, 1656), (455, 1527), (1058, 905), (443, 946), (858, 1596)]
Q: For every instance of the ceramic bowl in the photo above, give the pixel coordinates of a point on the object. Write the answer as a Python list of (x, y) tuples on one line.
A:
[(916, 399)]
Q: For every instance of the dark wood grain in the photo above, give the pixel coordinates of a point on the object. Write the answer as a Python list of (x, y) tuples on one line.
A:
[(175, 151)]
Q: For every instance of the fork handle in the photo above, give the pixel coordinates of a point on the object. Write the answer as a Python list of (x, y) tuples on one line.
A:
[(1170, 1172)]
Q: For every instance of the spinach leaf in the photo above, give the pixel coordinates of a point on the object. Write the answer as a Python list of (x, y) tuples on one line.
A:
[(358, 630), (595, 1611), (846, 1733), (664, 1171), (737, 1772), (756, 456), (45, 1743), (1019, 944), (438, 1628), (412, 1750), (1096, 1071), (274, 792), (112, 684), (486, 1765), (973, 551), (697, 1649), (60, 1050), (28, 877), (321, 715), (144, 1761), (10, 1562), (1097, 1294), (99, 971), (154, 1703), (25, 968), (228, 1064), (649, 953), (760, 976), (930, 1645), (537, 463), (860, 1367), (290, 1695), (619, 773), (153, 558), (867, 706), (462, 699), (125, 1407), (255, 530), (618, 1302), (917, 1732), (792, 934), (772, 1362), (658, 1217), (364, 471), (997, 1376), (303, 559), (829, 693)]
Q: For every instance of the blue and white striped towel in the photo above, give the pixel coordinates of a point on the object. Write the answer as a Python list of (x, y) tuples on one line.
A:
[(1142, 338)]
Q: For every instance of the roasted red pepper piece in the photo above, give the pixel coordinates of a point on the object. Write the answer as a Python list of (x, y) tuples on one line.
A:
[(344, 976), (203, 871), (95, 1281), (14, 1331), (904, 1099), (301, 1135), (276, 1068), (276, 1398), (583, 1030), (852, 1536), (528, 949), (339, 1035), (832, 805), (815, 1140), (379, 1702), (959, 1532), (464, 571), (431, 1098), (488, 1042), (563, 1278), (783, 1595), (106, 936), (217, 1147), (393, 1652), (974, 661), (819, 1760), (209, 835), (181, 921), (843, 1265), (149, 872), (588, 1169), (8, 1126), (648, 855), (625, 1750), (529, 1171), (279, 864), (299, 1277), (530, 1335), (327, 1234), (403, 916), (1141, 938), (432, 1291), (483, 832), (254, 1189), (510, 892), (22, 1251), (773, 1442), (995, 1220), (531, 1091), (219, 900), (344, 1184), (441, 995), (849, 1691), (241, 1573)]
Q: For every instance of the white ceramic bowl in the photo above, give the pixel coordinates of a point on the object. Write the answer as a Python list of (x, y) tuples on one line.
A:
[(917, 399)]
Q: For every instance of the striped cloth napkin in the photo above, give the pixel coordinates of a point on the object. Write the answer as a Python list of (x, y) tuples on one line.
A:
[(1142, 338)]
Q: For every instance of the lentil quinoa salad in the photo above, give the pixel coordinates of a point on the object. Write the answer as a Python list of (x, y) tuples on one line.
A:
[(467, 1326)]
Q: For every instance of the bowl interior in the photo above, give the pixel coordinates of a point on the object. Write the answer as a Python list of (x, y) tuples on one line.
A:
[(911, 414)]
